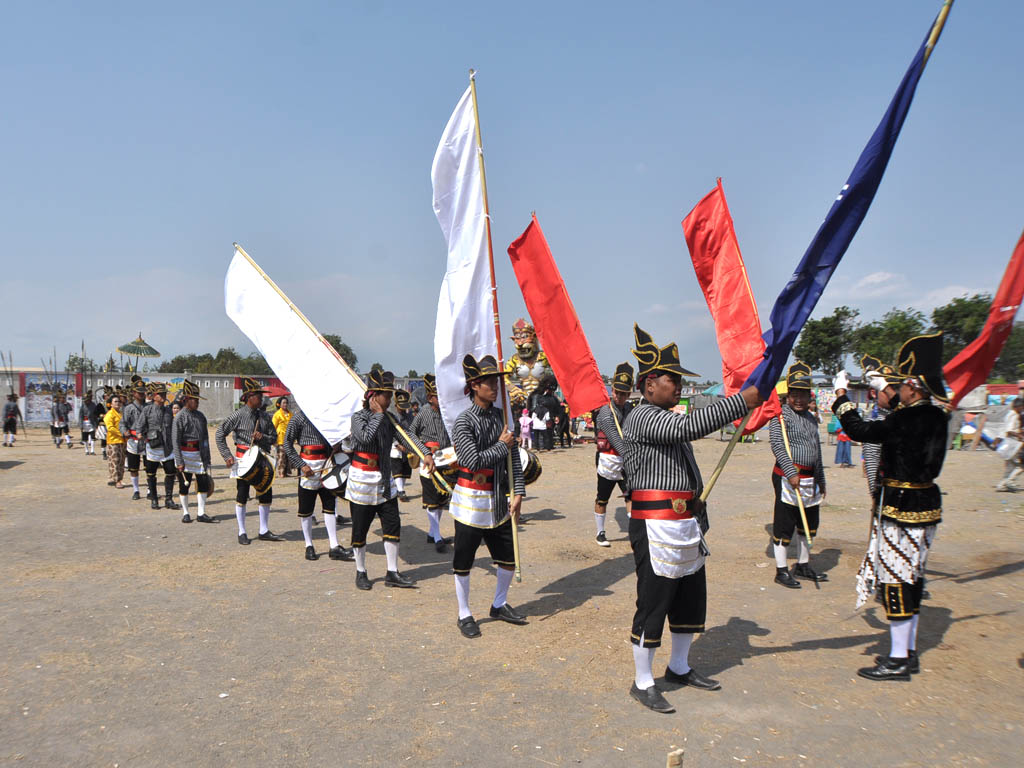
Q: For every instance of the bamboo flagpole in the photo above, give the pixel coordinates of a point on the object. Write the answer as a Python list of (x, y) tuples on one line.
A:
[(799, 495), (725, 456), (502, 391), (345, 366)]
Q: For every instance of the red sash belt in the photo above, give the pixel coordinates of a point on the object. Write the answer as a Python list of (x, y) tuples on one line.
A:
[(801, 470), (240, 450), (133, 433), (480, 480), (314, 452), (191, 445), (661, 505), (368, 462), (432, 445)]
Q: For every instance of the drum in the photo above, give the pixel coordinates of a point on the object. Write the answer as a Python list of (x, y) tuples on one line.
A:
[(256, 468), (531, 465), (335, 473)]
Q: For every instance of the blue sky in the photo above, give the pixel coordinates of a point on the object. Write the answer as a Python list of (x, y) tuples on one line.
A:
[(140, 142)]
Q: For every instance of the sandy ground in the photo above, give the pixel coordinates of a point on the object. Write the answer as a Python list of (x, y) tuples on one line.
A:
[(130, 639)]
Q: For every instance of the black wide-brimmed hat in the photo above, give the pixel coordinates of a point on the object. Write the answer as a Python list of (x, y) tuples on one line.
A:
[(251, 387), (474, 369), (190, 389), (799, 377), (920, 358), (650, 357), (622, 381), (430, 384), (380, 381), (886, 371)]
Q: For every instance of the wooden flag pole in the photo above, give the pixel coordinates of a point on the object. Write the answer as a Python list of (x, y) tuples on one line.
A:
[(940, 22), (799, 495), (398, 427), (502, 391), (725, 456)]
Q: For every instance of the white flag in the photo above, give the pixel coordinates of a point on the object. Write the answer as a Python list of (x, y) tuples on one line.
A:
[(320, 383), (465, 313)]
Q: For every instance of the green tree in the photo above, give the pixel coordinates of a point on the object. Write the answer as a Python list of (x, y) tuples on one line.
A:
[(1010, 365), (883, 338), (412, 374), (342, 349), (79, 364), (376, 367), (961, 320), (824, 343)]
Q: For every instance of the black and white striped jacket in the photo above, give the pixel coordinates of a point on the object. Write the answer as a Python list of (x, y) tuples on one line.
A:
[(804, 442), (300, 428), (240, 424), (475, 434), (374, 433), (188, 427), (429, 427)]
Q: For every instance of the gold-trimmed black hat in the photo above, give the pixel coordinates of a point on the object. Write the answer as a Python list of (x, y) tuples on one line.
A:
[(190, 389), (250, 387), (650, 357), (157, 388), (886, 371), (920, 358), (622, 381), (402, 399), (430, 384), (380, 381), (475, 369), (799, 377), (137, 385)]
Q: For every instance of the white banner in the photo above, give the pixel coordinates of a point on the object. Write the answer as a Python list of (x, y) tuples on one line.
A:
[(320, 383), (465, 315)]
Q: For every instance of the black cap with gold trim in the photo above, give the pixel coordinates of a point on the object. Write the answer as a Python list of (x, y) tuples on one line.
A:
[(650, 357), (886, 371), (474, 369), (402, 399), (430, 384), (250, 387), (920, 358), (157, 388), (622, 381), (799, 376), (190, 389), (138, 386), (380, 381)]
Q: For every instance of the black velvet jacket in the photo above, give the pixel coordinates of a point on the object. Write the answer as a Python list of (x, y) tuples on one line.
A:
[(913, 440)]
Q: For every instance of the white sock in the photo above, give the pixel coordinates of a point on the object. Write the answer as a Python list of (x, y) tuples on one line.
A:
[(501, 589), (391, 553), (643, 661), (462, 594), (202, 503), (135, 483), (183, 500), (240, 515), (400, 484), (264, 518), (360, 553), (780, 555), (331, 521), (899, 635), (680, 659), (91, 446), (599, 521), (307, 530), (803, 555), (912, 641), (434, 519)]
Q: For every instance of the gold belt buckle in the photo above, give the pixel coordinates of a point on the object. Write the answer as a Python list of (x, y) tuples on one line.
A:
[(679, 506)]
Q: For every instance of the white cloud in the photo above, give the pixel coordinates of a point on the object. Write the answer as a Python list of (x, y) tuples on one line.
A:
[(880, 284)]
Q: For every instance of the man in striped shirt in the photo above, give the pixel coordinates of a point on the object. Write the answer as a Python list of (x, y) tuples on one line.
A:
[(668, 518), (429, 427), (370, 489), (250, 425), (132, 413), (190, 444), (608, 421), (798, 469), (313, 454), (480, 499)]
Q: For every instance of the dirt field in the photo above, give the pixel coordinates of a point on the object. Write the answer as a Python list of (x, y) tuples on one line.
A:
[(130, 639)]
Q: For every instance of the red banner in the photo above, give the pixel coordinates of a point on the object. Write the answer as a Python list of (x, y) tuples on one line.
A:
[(558, 328), (971, 367), (723, 279)]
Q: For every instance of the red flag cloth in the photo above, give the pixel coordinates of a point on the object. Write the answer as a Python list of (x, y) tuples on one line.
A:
[(971, 367), (554, 317), (723, 279)]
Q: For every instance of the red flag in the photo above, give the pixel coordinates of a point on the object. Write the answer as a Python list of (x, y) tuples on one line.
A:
[(558, 327), (723, 279), (972, 366)]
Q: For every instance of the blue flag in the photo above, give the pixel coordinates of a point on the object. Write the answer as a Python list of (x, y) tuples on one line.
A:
[(801, 294)]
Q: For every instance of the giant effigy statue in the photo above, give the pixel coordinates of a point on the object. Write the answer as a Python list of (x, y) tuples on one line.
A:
[(529, 362)]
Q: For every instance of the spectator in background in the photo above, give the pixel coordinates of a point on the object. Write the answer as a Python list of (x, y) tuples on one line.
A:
[(282, 416), (115, 443), (539, 425), (562, 427), (843, 458), (526, 429)]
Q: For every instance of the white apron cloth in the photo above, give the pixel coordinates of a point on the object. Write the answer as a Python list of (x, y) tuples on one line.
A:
[(809, 491), (193, 461), (87, 426), (158, 455), (365, 485), (474, 507), (674, 546), (314, 482), (609, 465)]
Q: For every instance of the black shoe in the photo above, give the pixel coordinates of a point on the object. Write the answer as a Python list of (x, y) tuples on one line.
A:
[(926, 595), (154, 504), (783, 577), (403, 497), (185, 518), (270, 536), (169, 504), (509, 614), (204, 518), (693, 678), (804, 571), (342, 520), (431, 539), (363, 581), (340, 553), (136, 496), (395, 579), (602, 540), (468, 627), (243, 539), (887, 669), (913, 661), (441, 545), (311, 554), (652, 699)]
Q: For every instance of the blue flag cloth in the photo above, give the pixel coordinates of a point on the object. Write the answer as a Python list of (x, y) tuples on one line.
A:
[(801, 294)]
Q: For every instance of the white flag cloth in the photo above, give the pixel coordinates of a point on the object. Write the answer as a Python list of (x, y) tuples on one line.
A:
[(465, 314), (320, 383)]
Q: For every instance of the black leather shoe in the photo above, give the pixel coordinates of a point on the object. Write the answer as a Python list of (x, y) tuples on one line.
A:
[(509, 614), (652, 699), (342, 520), (204, 518), (270, 536), (441, 545), (170, 504), (395, 579), (693, 678), (913, 661), (311, 554), (136, 496), (341, 553), (243, 539), (887, 669), (185, 518), (804, 571), (403, 497), (154, 504), (363, 581), (783, 577), (468, 627)]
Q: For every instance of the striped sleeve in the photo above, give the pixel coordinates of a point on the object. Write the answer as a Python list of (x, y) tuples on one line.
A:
[(779, 448)]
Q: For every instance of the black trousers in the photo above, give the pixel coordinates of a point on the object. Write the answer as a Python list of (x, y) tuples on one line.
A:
[(362, 519), (169, 475), (468, 540), (242, 493), (308, 497), (787, 516), (185, 482)]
